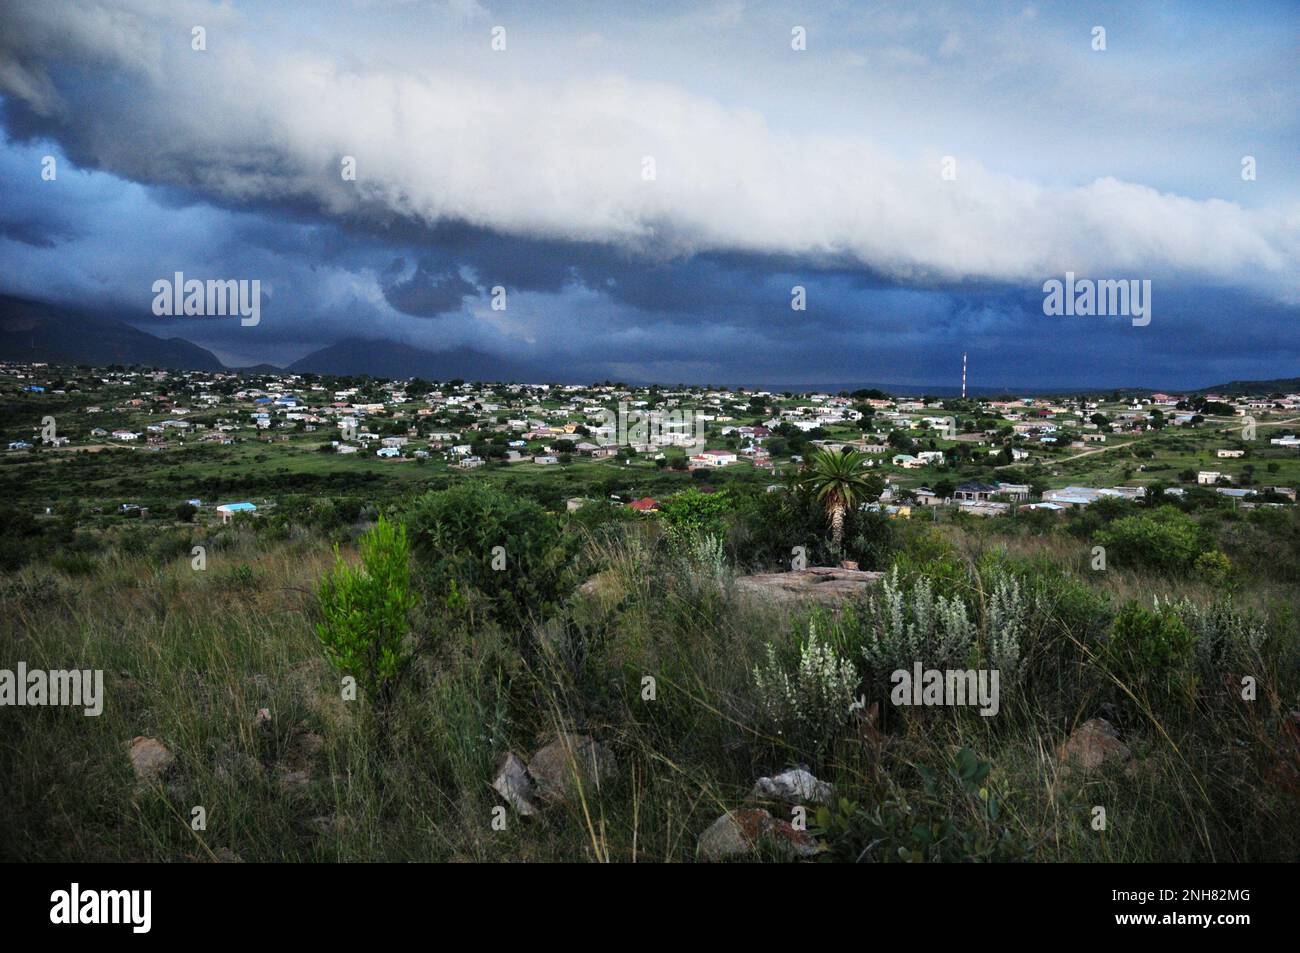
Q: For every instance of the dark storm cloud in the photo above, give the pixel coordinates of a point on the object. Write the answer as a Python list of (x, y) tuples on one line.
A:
[(426, 292)]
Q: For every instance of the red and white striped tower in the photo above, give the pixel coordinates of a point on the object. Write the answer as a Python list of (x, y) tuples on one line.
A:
[(963, 375)]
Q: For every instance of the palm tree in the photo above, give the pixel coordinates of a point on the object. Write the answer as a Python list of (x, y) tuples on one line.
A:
[(840, 480)]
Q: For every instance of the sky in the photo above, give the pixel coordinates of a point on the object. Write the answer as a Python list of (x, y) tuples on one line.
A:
[(650, 181)]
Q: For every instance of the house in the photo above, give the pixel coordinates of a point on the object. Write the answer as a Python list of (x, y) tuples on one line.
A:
[(927, 497), (984, 507), (645, 505), (228, 510), (19, 445), (906, 461), (1230, 453), (1013, 491), (389, 452), (713, 458), (1072, 496), (546, 460), (125, 435), (469, 463), (930, 456), (974, 491), (1208, 477)]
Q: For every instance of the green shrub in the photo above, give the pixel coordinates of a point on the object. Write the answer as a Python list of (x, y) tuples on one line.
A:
[(954, 817), (1149, 647), (692, 513), (366, 610), (507, 548), (1165, 540)]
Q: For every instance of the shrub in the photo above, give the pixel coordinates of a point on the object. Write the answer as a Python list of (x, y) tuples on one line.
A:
[(953, 818), (1223, 635), (455, 535), (1149, 647), (1166, 540), (1213, 566), (809, 704), (692, 513), (365, 611), (904, 627)]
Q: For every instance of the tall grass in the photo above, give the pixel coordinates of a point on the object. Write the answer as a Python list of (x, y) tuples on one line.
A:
[(190, 657)]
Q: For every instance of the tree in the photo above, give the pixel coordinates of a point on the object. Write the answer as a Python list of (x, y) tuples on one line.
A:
[(365, 611), (840, 480)]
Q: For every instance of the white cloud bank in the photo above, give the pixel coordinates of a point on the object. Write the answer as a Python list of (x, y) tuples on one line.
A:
[(251, 120)]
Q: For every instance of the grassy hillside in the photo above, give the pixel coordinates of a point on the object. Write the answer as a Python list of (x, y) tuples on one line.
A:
[(191, 656)]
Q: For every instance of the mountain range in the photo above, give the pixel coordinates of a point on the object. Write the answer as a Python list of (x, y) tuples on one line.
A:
[(35, 331)]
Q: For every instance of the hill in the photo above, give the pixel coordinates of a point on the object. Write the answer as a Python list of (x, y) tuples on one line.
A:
[(54, 334)]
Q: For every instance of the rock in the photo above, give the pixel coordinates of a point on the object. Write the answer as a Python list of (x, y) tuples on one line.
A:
[(515, 786), (570, 757), (1094, 743), (849, 564), (738, 834), (823, 584), (795, 786), (150, 759)]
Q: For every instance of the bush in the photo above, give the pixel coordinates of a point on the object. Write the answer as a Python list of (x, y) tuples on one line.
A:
[(1167, 541), (954, 818), (509, 549), (808, 703), (1149, 647), (365, 611), (691, 513)]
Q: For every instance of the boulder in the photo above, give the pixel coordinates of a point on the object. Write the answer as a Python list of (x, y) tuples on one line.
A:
[(1093, 744), (557, 767), (796, 786), (150, 759), (738, 834), (824, 584), (515, 786)]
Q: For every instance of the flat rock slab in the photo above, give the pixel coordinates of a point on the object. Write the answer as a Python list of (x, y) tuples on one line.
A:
[(827, 584)]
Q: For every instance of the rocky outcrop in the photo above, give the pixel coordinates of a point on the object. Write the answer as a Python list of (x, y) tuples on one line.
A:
[(824, 584)]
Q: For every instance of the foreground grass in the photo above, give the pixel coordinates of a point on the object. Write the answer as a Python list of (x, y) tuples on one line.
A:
[(191, 657)]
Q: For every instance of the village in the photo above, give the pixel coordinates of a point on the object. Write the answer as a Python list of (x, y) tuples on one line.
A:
[(981, 456)]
